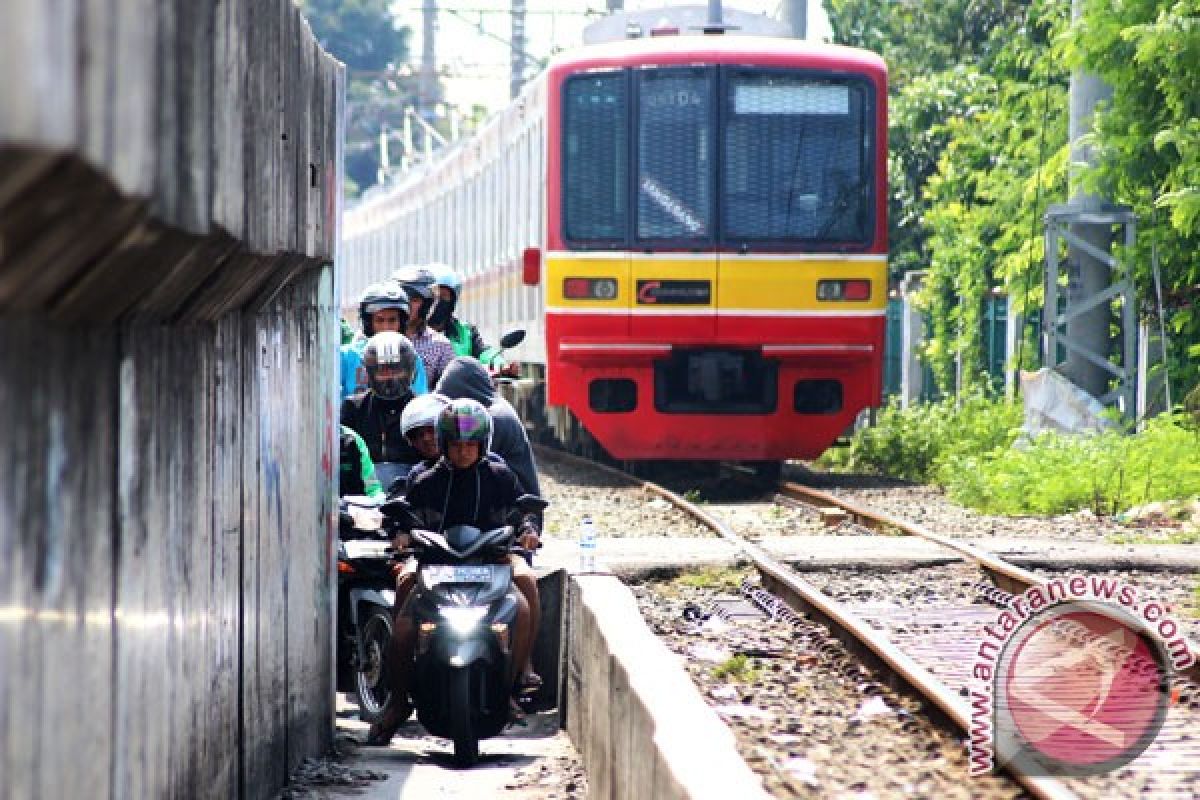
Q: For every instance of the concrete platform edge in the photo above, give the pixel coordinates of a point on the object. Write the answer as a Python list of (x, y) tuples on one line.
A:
[(633, 713)]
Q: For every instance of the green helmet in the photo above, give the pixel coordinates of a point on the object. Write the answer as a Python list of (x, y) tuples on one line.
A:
[(464, 420)]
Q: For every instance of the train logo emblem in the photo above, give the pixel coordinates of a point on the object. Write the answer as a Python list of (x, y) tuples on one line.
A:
[(676, 293), (1079, 691)]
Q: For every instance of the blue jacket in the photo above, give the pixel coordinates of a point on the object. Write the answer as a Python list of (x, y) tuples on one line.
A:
[(351, 359)]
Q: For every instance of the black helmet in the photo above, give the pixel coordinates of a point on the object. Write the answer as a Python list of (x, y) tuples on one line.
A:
[(390, 349), (377, 297), (465, 420), (417, 282)]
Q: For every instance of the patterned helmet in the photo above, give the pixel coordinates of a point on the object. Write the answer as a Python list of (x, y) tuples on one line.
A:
[(390, 349), (465, 420), (377, 297), (422, 411)]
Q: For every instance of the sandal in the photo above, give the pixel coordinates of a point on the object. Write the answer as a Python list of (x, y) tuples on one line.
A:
[(529, 683), (516, 715), (380, 733)]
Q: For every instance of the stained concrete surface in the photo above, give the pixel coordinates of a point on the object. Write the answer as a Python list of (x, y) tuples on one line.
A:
[(418, 766), (632, 555)]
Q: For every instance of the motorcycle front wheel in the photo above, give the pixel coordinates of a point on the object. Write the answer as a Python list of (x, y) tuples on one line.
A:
[(369, 680), (466, 745)]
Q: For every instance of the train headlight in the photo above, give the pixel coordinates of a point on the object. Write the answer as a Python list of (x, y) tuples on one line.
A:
[(845, 290), (589, 288)]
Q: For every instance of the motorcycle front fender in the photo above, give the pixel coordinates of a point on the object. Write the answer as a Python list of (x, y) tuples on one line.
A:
[(361, 598), (457, 653)]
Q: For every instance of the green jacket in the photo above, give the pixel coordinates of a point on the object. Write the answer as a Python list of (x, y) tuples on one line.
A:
[(357, 471), (467, 342)]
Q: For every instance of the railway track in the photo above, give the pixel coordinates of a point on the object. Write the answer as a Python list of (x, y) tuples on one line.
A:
[(925, 644)]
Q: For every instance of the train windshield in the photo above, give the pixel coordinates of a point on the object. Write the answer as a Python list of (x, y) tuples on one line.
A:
[(698, 156), (675, 154), (595, 159), (797, 158)]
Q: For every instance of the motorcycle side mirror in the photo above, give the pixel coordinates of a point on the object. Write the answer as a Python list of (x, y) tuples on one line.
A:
[(525, 504), (531, 503), (512, 338), (400, 513)]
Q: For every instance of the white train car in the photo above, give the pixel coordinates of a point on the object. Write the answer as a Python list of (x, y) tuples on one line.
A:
[(476, 207)]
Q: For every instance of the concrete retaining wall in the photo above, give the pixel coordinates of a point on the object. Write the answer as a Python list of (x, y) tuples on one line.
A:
[(169, 188), (640, 724)]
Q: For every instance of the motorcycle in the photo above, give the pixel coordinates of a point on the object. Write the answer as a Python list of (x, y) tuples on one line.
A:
[(463, 608), (366, 592)]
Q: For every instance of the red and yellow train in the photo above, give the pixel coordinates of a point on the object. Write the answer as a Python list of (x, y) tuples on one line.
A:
[(692, 229)]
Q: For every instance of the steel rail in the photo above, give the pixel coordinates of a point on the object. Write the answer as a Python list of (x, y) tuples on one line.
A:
[(1007, 576), (899, 670)]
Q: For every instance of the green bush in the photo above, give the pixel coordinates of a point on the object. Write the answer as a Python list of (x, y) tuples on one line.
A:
[(1106, 472), (910, 443), (972, 449)]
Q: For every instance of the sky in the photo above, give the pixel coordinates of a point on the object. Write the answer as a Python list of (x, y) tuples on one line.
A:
[(472, 37)]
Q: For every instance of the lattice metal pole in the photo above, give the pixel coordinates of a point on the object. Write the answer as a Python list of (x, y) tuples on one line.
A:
[(427, 86), (1071, 224), (517, 79), (795, 14)]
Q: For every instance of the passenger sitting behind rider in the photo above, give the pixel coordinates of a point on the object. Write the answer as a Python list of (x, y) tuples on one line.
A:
[(419, 423), (462, 488)]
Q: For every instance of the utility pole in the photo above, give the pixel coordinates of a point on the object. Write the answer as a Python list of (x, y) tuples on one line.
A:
[(1087, 275), (427, 85), (517, 80), (1086, 223), (795, 14)]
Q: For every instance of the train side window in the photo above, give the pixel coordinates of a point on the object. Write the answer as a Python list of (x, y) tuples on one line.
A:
[(595, 159)]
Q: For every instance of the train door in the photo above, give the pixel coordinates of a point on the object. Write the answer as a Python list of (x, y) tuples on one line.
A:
[(673, 264)]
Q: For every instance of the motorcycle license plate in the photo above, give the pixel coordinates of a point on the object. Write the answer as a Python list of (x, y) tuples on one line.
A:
[(457, 574)]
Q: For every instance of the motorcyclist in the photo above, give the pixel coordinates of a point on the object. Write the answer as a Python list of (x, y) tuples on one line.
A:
[(383, 307), (375, 414), (464, 336), (434, 348), (466, 377), (419, 423), (350, 360), (461, 488), (356, 472)]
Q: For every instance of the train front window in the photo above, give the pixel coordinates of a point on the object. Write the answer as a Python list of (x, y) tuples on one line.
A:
[(595, 159), (798, 158), (675, 151)]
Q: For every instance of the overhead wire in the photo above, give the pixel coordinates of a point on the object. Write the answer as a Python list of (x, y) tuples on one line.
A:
[(1037, 202)]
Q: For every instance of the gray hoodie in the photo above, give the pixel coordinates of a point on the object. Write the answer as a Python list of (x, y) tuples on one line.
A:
[(466, 377)]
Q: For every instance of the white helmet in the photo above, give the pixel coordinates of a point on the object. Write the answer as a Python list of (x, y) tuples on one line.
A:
[(422, 410)]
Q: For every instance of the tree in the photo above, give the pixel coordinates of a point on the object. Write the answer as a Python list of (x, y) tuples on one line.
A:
[(366, 37), (1148, 138), (976, 133)]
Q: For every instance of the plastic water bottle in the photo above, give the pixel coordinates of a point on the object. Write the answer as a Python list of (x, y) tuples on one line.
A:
[(587, 545)]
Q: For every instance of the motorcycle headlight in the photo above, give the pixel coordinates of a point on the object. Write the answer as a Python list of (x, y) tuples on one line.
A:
[(463, 620)]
